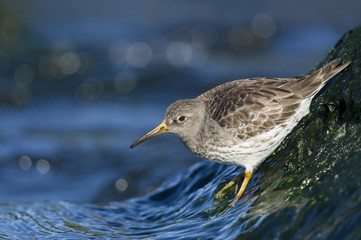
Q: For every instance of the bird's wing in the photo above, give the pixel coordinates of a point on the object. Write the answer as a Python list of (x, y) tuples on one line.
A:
[(256, 105), (252, 106)]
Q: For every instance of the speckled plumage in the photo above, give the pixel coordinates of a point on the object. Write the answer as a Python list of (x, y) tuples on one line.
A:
[(243, 121)]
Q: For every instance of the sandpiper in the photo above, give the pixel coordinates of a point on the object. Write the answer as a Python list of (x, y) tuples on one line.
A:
[(243, 121)]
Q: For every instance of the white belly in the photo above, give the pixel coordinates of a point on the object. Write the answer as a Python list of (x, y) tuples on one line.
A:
[(251, 152)]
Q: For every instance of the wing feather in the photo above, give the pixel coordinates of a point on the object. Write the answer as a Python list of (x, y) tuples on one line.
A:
[(251, 106), (256, 105)]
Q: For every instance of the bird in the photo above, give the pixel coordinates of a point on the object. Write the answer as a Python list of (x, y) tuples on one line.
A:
[(242, 122)]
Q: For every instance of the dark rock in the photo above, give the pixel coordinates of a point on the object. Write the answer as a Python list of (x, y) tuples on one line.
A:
[(313, 189)]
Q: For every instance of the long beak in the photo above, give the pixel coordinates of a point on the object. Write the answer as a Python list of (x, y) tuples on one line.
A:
[(162, 128)]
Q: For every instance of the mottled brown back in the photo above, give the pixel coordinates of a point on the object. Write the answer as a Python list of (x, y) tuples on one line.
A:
[(255, 105)]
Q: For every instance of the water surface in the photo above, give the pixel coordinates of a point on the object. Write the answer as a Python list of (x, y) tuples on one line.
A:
[(76, 91)]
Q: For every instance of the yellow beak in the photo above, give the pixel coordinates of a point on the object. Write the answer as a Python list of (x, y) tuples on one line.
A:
[(162, 128)]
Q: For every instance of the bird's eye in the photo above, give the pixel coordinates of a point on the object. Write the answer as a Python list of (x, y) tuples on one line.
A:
[(181, 118)]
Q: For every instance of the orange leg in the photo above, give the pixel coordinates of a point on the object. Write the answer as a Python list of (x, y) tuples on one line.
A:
[(230, 184), (246, 179)]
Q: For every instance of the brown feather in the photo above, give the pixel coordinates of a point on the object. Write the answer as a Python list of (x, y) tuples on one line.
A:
[(238, 103)]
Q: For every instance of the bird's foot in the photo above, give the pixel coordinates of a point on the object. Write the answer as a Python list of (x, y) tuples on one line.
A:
[(246, 179), (235, 180)]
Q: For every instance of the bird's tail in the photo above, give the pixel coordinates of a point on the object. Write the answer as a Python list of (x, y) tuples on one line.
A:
[(312, 83)]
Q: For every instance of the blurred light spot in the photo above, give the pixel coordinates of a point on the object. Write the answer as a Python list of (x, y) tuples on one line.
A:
[(139, 54), (158, 46), (24, 162), (89, 90), (121, 184), (69, 63), (21, 95), (92, 88), (263, 25), (43, 166), (86, 61), (5, 63), (125, 81), (179, 53), (204, 34), (199, 56), (23, 75)]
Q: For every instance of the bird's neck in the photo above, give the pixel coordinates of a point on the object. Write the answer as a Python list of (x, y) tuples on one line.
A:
[(192, 138), (191, 142)]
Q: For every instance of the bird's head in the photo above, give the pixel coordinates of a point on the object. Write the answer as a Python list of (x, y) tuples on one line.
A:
[(183, 118)]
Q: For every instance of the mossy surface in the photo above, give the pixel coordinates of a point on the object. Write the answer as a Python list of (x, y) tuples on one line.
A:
[(315, 183)]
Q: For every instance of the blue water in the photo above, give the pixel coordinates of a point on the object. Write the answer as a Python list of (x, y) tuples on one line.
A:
[(76, 91), (179, 209)]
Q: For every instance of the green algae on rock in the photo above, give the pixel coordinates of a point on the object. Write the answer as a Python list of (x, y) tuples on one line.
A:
[(317, 171)]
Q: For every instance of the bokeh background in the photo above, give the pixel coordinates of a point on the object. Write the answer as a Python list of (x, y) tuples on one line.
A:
[(81, 80)]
